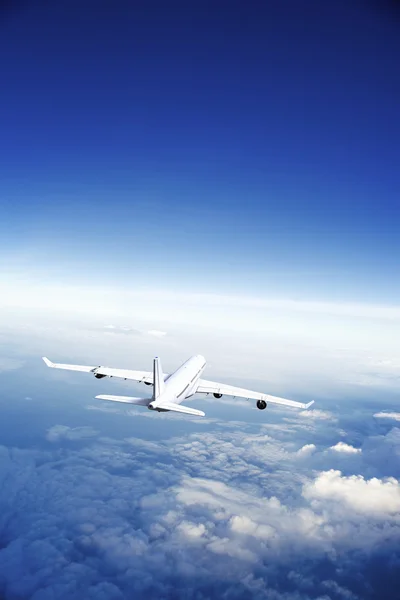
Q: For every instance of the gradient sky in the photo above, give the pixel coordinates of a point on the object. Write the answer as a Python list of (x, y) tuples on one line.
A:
[(214, 146)]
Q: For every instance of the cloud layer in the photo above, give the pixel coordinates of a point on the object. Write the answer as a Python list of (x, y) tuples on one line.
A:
[(245, 512)]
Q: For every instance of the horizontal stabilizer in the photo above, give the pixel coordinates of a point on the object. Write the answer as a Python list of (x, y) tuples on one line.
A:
[(181, 409), (126, 399)]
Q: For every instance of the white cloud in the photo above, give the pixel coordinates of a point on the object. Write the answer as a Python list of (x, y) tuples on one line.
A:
[(115, 329), (324, 415), (245, 525), (191, 530), (388, 415), (307, 450), (127, 330), (372, 497), (345, 448)]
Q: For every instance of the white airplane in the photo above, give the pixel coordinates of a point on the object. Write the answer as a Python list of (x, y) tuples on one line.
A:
[(170, 390)]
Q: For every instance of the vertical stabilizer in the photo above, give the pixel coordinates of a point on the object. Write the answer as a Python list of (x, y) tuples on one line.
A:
[(158, 378)]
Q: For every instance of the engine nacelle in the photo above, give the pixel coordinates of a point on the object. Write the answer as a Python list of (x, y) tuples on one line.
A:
[(217, 395), (99, 375), (147, 383), (261, 404)]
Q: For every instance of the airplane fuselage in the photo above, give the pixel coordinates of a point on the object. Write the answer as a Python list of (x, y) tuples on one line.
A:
[(182, 383)]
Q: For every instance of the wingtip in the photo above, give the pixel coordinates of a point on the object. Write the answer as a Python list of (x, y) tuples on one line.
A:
[(47, 361), (306, 406)]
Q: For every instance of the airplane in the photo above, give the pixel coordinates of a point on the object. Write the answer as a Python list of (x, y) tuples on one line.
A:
[(169, 390)]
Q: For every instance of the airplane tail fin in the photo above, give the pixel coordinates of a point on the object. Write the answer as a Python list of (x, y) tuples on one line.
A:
[(158, 379)]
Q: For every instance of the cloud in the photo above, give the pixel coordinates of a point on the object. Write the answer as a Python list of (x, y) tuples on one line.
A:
[(123, 329), (307, 450), (372, 497), (381, 453), (211, 514), (388, 415), (345, 448), (63, 432), (324, 415), (144, 445)]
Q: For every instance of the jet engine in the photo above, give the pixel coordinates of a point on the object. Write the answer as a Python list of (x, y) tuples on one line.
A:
[(261, 404), (147, 383), (99, 375), (217, 395)]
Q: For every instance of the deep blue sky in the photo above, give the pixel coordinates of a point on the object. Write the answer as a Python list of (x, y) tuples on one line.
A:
[(192, 139)]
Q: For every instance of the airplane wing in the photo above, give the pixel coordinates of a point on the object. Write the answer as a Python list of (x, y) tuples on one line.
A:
[(141, 376), (212, 387)]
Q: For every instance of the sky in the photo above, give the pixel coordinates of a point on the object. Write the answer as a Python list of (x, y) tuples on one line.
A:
[(222, 146), (215, 178)]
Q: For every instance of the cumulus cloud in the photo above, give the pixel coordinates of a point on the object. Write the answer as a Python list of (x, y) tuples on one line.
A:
[(306, 450), (388, 415), (372, 497), (345, 448)]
